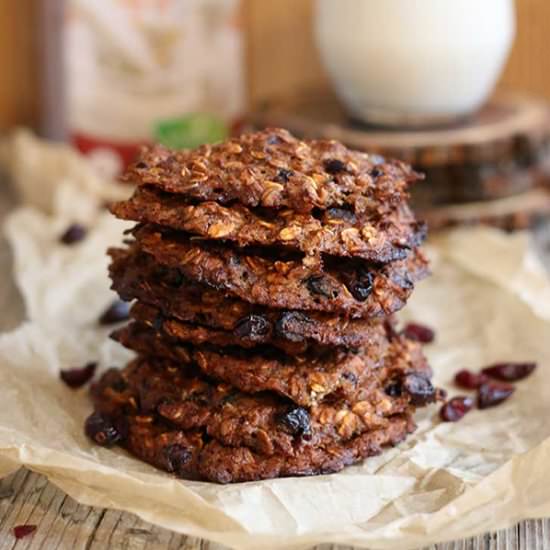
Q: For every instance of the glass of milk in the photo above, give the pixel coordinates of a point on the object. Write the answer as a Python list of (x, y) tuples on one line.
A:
[(414, 62)]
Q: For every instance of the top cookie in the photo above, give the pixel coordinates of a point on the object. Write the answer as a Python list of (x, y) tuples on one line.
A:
[(273, 169)]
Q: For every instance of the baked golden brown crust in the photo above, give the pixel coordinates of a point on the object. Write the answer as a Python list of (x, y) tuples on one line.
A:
[(273, 169), (162, 406), (138, 276), (305, 379), (191, 456), (352, 289), (266, 270), (264, 422), (335, 231)]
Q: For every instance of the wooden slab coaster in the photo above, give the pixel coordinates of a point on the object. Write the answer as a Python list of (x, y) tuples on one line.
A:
[(502, 151)]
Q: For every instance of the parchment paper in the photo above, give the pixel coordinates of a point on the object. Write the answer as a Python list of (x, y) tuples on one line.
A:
[(489, 299)]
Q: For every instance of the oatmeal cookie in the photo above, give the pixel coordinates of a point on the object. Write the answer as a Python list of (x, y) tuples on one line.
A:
[(264, 422), (273, 169), (305, 379), (138, 276), (192, 455), (336, 231), (353, 289)]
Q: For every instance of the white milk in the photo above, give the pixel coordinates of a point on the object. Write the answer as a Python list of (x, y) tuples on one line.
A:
[(411, 61)]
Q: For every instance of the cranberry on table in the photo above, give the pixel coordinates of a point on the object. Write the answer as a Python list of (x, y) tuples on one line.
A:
[(73, 234), (510, 372), (491, 394), (104, 430), (117, 312), (455, 409), (20, 531), (419, 333), (470, 380), (77, 377), (419, 389)]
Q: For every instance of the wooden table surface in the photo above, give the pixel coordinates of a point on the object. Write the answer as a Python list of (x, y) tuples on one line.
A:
[(28, 498)]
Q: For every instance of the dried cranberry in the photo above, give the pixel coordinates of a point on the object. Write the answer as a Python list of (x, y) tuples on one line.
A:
[(470, 380), (394, 389), (296, 420), (73, 234), (361, 289), (76, 378), (419, 388), (334, 166), (158, 322), (283, 175), (173, 277), (419, 333), (510, 372), (376, 172), (389, 327), (493, 393), (288, 323), (319, 284), (341, 214), (254, 327), (177, 456), (273, 139), (20, 531), (456, 408), (350, 377), (104, 430), (118, 311)]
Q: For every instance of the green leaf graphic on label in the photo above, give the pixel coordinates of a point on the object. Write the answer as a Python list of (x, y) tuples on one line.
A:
[(190, 131)]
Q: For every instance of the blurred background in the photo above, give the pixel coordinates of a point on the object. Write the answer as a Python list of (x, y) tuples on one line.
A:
[(459, 89)]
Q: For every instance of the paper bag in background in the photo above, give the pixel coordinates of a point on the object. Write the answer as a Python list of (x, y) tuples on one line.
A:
[(162, 70), (489, 299)]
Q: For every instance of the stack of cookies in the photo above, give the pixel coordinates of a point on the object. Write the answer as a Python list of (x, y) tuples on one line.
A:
[(264, 273)]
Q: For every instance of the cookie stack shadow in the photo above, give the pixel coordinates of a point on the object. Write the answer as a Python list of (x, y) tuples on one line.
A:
[(264, 273)]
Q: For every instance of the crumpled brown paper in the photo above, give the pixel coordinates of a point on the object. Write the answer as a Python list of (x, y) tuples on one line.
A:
[(489, 299)]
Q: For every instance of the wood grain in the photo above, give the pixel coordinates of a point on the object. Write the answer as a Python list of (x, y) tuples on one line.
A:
[(19, 90), (63, 524)]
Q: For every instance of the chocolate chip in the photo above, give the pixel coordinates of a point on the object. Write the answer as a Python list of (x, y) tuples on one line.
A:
[(283, 175), (288, 324), (419, 389), (334, 166), (77, 377), (177, 456), (141, 165), (73, 234), (118, 311), (104, 430), (253, 327), (296, 421)]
